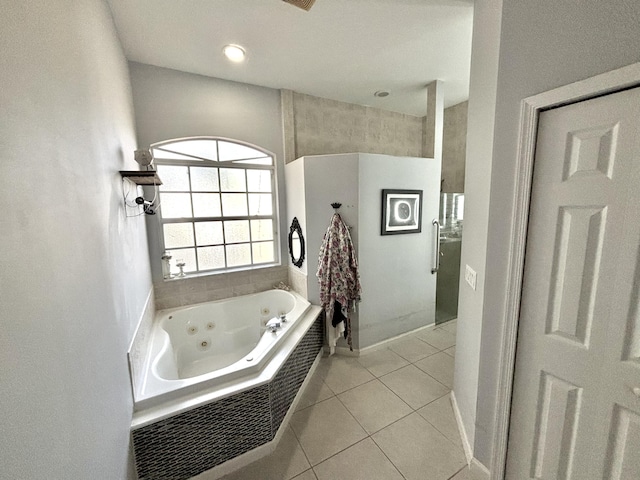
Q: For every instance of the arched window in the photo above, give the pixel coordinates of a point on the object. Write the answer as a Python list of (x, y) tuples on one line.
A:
[(217, 203)]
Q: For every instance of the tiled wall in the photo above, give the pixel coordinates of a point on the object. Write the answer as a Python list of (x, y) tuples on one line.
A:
[(454, 147), (190, 290), (195, 441), (139, 347), (325, 126), (298, 280)]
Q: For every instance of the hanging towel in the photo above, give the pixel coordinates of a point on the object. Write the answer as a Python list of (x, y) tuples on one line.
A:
[(339, 280)]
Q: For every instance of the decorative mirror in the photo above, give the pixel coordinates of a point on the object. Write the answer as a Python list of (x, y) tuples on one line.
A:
[(296, 243)]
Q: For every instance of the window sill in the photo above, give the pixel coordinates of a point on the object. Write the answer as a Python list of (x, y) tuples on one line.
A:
[(250, 268)]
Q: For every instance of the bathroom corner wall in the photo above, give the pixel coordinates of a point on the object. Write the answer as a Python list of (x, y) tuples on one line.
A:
[(172, 104), (454, 148), (325, 126), (296, 208)]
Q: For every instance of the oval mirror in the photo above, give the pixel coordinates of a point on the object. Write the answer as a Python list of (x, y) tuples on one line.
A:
[(296, 243)]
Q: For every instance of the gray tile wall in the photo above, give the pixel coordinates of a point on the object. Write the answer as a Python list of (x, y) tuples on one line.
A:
[(140, 344), (298, 280), (325, 126), (190, 290), (284, 387), (454, 148), (192, 442)]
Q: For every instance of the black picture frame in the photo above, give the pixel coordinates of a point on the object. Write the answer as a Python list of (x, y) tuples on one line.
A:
[(401, 211)]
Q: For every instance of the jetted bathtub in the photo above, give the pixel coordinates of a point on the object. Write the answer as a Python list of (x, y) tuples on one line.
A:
[(219, 347)]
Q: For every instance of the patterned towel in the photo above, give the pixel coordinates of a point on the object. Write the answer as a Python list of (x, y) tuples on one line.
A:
[(338, 273)]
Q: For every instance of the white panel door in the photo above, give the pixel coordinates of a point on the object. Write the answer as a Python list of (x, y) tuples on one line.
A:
[(576, 398)]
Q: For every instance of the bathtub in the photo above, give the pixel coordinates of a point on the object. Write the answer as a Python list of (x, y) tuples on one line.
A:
[(211, 350)]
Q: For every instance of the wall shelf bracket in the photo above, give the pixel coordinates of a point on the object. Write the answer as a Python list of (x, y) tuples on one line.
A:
[(142, 177)]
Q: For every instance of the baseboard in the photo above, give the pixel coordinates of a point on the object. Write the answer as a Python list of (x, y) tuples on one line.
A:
[(475, 465), (480, 468), (377, 346), (468, 451)]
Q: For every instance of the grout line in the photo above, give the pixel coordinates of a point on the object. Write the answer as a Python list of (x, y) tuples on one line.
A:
[(301, 447), (370, 435), (453, 476), (385, 454), (441, 432), (398, 419)]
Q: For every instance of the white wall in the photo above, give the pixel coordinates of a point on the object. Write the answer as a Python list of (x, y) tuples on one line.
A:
[(75, 273), (328, 179), (296, 208), (543, 45), (295, 193), (480, 128), (403, 262), (399, 290), (171, 104)]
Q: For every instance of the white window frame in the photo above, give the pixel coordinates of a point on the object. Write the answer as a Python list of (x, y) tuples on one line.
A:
[(203, 162)]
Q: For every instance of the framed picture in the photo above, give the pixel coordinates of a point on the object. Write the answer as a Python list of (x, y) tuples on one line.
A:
[(401, 211)]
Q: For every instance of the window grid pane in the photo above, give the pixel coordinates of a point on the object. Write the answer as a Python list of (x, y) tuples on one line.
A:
[(206, 205), (177, 235), (263, 252), (238, 255), (211, 258), (204, 179), (209, 240), (175, 205), (234, 204), (209, 233)]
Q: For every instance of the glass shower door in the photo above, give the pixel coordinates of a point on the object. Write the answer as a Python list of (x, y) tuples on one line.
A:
[(451, 218)]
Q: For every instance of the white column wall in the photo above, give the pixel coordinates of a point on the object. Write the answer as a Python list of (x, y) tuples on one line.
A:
[(74, 270), (480, 130)]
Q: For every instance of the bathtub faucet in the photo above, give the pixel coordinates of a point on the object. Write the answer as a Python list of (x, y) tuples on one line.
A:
[(273, 325)]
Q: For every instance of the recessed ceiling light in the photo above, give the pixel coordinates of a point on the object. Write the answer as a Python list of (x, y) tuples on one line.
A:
[(235, 53), (381, 93)]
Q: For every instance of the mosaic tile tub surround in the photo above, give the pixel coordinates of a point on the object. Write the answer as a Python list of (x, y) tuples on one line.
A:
[(192, 442)]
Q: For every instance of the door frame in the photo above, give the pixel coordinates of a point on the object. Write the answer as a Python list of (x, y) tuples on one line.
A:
[(530, 108)]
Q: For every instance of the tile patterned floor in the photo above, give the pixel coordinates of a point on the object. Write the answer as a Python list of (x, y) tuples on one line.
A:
[(385, 415)]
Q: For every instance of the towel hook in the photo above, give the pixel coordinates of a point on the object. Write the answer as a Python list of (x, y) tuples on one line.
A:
[(336, 205)]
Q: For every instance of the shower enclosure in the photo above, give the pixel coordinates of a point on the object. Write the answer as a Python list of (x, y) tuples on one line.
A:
[(451, 218)]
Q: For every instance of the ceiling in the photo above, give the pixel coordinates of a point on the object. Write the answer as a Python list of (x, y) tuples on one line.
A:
[(341, 49)]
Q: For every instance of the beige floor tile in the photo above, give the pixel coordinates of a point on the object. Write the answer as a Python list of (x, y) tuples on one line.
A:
[(450, 326), (451, 351), (315, 391), (418, 450), (308, 475), (381, 362), (342, 373), (412, 349), (287, 461), (472, 473), (438, 338), (440, 366), (374, 406), (362, 461), (414, 386), (439, 413), (325, 429)]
